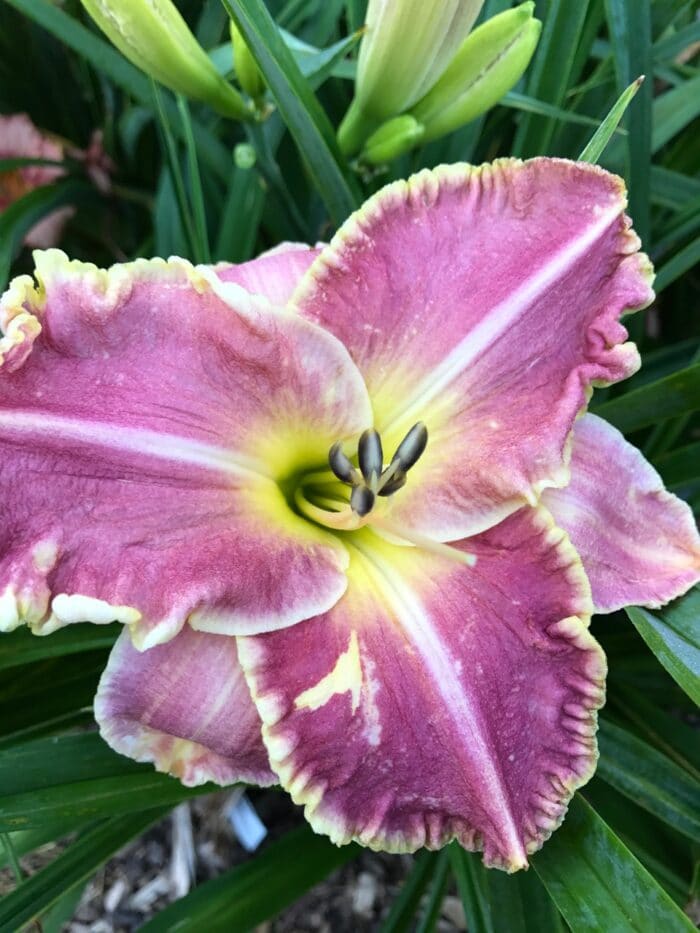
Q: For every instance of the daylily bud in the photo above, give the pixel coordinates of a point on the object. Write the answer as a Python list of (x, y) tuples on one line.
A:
[(406, 46), (244, 155), (392, 139), (489, 62), (247, 71), (155, 38)]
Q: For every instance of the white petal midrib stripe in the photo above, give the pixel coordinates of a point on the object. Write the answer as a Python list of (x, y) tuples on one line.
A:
[(415, 624), (143, 441), (497, 321)]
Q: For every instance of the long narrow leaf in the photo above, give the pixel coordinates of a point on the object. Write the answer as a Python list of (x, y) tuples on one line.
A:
[(256, 891), (202, 253), (674, 110), (649, 778), (678, 265), (82, 858), (240, 217), (298, 106), (629, 25), (681, 465), (402, 914), (472, 884), (19, 218), (673, 636), (677, 42), (27, 840), (528, 104), (21, 647), (551, 72), (594, 149), (598, 884), (665, 731), (86, 800), (671, 396), (78, 778), (438, 888)]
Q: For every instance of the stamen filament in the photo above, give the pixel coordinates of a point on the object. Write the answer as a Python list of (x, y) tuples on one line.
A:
[(427, 544), (344, 519), (388, 474)]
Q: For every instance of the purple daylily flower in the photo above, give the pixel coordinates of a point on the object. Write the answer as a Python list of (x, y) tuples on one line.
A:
[(399, 635)]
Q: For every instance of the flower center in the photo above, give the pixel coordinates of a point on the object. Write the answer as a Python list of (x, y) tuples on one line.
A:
[(348, 497), (372, 479)]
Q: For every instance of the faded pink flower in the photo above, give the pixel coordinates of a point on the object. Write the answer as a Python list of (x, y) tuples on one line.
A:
[(19, 138), (99, 166)]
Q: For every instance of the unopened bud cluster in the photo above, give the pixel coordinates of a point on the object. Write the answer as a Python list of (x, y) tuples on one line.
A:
[(422, 74)]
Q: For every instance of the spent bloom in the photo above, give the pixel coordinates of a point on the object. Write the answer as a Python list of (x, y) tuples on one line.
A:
[(21, 139), (347, 503)]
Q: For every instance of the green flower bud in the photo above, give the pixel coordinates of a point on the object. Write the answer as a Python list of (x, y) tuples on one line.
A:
[(247, 71), (392, 139), (489, 62), (406, 46), (244, 155), (155, 38)]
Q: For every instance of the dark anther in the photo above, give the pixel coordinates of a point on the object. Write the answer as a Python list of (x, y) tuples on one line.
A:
[(372, 480), (370, 454), (362, 500), (396, 482), (412, 446), (341, 465)]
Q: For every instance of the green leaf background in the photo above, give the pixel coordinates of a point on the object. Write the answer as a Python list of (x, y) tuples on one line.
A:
[(191, 183)]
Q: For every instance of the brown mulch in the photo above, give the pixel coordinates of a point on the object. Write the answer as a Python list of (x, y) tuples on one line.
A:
[(197, 843)]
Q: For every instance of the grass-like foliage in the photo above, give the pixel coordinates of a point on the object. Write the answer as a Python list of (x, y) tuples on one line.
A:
[(189, 181)]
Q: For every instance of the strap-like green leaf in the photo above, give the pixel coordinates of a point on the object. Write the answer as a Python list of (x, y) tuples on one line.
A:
[(662, 851), (256, 891), (673, 189), (674, 395), (550, 73), (36, 894), (669, 47), (472, 884), (674, 110), (21, 647), (674, 637), (680, 466), (19, 218), (598, 884), (401, 917), (244, 199), (86, 800), (494, 901), (649, 778), (594, 149), (629, 25), (667, 732), (78, 778), (678, 265), (298, 106), (438, 888)]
